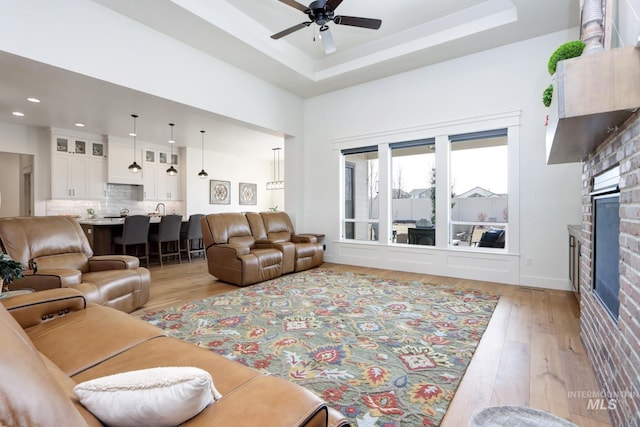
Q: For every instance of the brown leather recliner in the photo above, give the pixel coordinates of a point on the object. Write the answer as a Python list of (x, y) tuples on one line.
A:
[(300, 251), (233, 255), (58, 247)]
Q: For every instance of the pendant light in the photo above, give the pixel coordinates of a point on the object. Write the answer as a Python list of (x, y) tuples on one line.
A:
[(134, 167), (203, 174), (277, 183), (171, 171)]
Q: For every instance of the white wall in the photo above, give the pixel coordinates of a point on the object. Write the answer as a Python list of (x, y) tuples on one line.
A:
[(501, 80), (10, 184), (227, 168), (35, 141), (625, 25)]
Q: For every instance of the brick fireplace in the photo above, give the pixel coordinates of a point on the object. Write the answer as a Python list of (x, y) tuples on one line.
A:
[(613, 346)]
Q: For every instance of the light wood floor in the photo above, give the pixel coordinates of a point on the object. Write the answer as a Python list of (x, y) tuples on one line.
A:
[(530, 354)]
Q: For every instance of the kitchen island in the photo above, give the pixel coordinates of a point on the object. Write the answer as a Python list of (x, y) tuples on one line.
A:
[(100, 232)]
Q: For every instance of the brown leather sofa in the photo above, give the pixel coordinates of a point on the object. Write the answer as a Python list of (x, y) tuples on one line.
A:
[(41, 361), (58, 247), (300, 251), (244, 249), (233, 255)]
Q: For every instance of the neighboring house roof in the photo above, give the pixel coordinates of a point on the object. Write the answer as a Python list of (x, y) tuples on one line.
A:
[(420, 193), (477, 192)]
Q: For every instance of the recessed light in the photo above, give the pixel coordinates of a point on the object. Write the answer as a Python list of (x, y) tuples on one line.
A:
[(34, 100), (171, 141), (18, 113), (132, 134), (80, 125)]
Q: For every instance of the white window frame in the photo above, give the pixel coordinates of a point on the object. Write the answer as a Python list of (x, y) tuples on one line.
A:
[(441, 133)]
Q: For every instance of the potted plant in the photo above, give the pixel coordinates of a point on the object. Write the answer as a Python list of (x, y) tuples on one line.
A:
[(567, 50), (10, 271)]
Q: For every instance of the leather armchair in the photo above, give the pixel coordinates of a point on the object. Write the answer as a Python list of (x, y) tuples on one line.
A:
[(64, 259), (233, 255), (300, 251)]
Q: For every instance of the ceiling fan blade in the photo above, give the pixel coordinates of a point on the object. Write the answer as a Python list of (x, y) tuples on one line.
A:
[(290, 30), (354, 21), (327, 40), (333, 4), (295, 4)]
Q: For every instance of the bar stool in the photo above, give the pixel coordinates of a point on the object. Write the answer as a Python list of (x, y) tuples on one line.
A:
[(134, 233), (192, 232), (168, 232)]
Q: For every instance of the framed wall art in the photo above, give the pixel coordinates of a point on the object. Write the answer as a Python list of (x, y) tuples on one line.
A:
[(248, 194), (219, 192)]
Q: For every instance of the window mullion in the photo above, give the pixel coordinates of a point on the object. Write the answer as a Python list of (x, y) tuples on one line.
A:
[(443, 204), (384, 189)]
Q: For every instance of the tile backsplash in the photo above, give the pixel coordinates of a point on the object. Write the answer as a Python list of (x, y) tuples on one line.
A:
[(118, 197)]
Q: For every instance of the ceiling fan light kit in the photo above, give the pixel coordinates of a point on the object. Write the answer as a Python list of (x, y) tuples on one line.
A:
[(327, 39), (321, 12)]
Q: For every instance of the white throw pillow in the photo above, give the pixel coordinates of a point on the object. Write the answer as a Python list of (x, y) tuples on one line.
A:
[(150, 397)]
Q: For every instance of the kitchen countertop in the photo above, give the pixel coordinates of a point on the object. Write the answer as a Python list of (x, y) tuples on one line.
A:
[(111, 221)]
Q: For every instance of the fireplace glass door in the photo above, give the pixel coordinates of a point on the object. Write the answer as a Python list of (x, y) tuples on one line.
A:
[(606, 280)]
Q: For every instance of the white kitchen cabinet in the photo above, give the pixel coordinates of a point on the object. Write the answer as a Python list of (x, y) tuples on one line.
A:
[(167, 186), (68, 177), (77, 168), (172, 187), (121, 155), (157, 184), (149, 173), (96, 178)]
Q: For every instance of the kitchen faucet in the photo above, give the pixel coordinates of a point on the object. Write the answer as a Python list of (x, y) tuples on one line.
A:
[(164, 209)]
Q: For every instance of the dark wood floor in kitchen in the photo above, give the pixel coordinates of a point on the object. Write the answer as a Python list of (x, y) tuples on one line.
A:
[(530, 354)]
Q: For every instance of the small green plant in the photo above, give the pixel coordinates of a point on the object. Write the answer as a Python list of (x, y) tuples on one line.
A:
[(10, 270), (567, 50), (546, 95), (274, 209)]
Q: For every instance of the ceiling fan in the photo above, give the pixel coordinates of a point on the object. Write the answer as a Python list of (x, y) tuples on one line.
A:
[(322, 12)]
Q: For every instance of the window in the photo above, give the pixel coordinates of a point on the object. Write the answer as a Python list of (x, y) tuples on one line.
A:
[(469, 171), (413, 192), (361, 194), (479, 196)]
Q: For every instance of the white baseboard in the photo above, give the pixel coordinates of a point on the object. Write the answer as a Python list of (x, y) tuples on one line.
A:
[(546, 282)]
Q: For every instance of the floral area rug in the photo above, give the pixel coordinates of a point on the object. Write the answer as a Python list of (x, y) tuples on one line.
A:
[(383, 352)]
